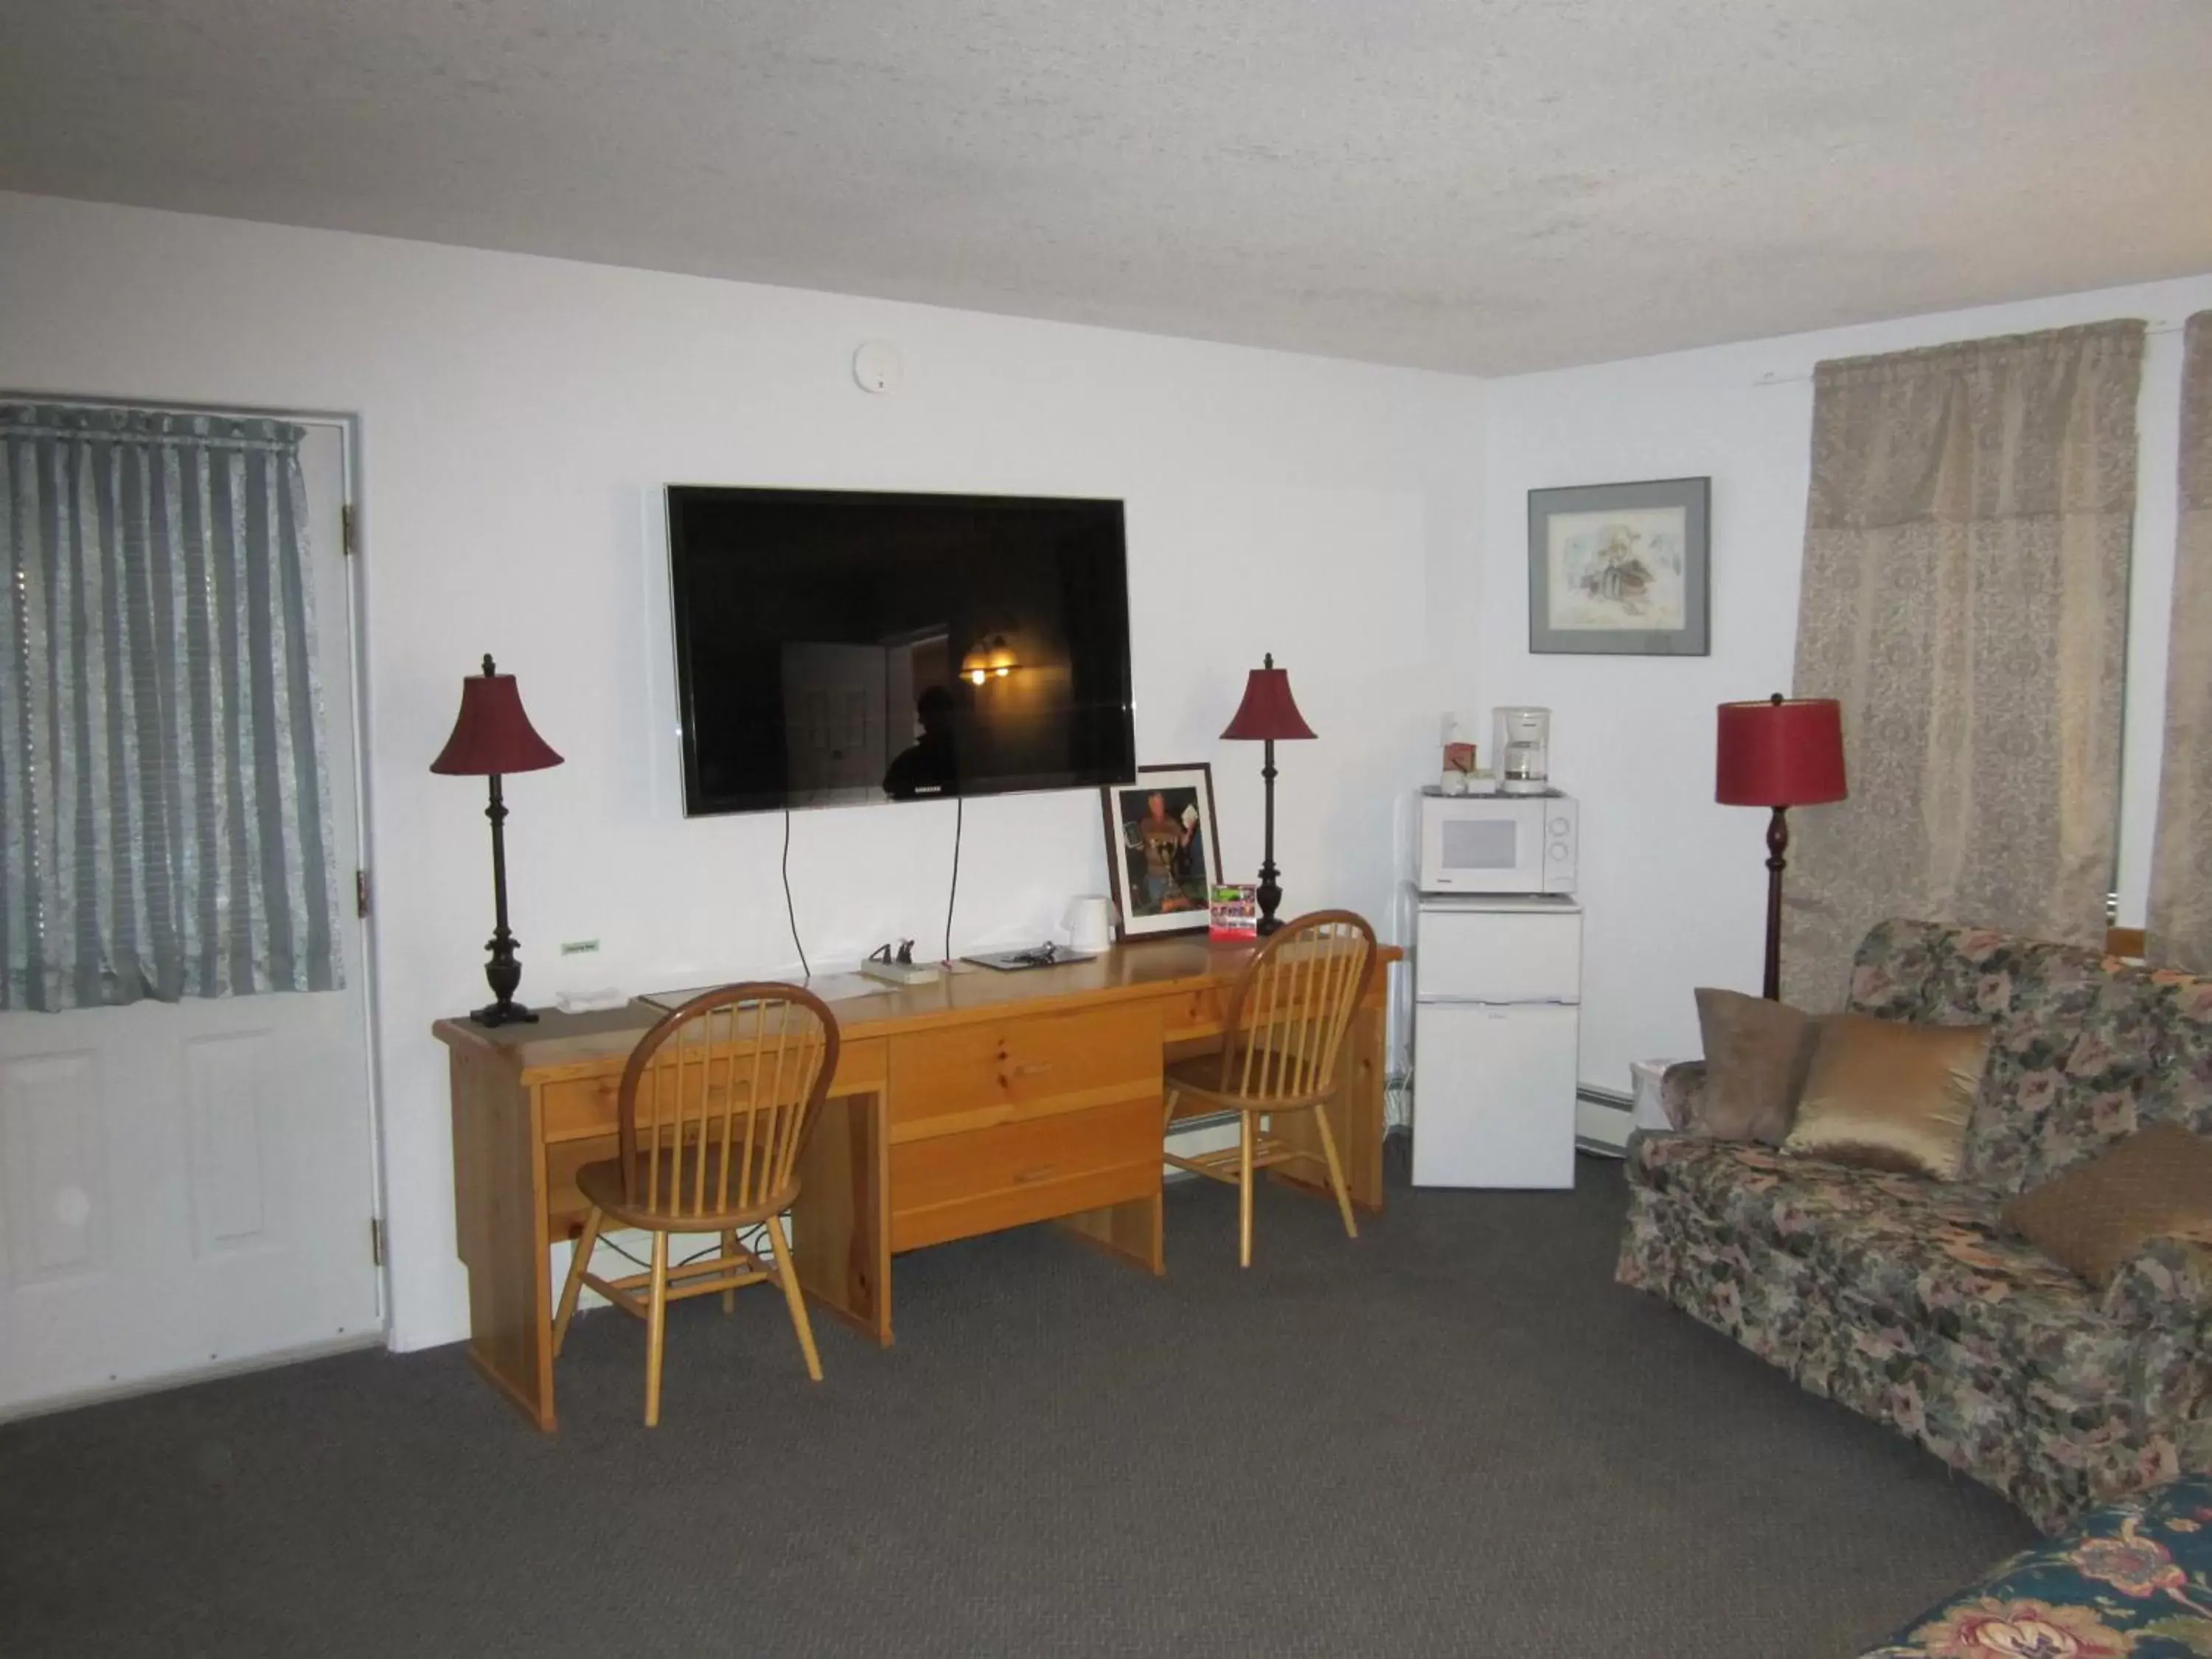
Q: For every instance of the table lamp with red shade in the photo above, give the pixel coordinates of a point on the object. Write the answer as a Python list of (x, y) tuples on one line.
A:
[(1779, 753), (1268, 714), (491, 737)]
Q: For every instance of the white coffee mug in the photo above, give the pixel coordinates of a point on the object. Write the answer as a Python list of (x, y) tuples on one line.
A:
[(1088, 923)]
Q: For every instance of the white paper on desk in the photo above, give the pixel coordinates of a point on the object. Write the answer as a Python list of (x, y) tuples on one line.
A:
[(589, 1002)]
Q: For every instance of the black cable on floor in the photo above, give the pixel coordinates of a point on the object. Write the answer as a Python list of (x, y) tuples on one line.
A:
[(790, 910), (753, 1237), (952, 896)]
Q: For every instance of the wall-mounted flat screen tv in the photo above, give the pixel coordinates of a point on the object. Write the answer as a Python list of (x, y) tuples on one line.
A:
[(836, 646)]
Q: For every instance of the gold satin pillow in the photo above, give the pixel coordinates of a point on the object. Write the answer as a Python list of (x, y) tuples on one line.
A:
[(1885, 1095)]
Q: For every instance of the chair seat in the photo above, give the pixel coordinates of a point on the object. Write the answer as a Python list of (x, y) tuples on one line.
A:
[(602, 1183), (1198, 1080)]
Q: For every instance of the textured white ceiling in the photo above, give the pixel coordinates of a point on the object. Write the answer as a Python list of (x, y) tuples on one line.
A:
[(1480, 184)]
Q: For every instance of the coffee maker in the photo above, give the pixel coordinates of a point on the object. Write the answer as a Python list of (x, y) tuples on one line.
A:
[(1522, 754)]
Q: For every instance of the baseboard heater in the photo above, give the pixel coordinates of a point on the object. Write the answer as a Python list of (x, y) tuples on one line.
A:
[(1603, 1118)]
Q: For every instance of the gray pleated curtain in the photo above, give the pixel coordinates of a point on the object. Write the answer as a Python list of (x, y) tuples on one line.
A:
[(1964, 597), (164, 794), (2181, 866)]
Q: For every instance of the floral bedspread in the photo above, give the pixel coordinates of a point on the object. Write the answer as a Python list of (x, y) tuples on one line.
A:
[(2130, 1581)]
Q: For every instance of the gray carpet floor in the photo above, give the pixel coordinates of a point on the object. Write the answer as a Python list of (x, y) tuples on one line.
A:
[(1456, 1436)]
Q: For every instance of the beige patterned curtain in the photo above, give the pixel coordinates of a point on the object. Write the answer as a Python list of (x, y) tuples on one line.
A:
[(2181, 866), (1966, 598)]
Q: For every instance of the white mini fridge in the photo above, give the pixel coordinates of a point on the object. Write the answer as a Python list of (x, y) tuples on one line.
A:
[(1497, 1014)]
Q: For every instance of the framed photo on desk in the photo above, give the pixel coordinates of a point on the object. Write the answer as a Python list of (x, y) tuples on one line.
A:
[(1162, 850)]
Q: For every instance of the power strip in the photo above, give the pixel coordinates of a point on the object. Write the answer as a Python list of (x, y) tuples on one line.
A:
[(901, 972)]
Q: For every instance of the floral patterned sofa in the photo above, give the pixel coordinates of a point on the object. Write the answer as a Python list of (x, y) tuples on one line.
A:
[(1905, 1299), (2130, 1581)]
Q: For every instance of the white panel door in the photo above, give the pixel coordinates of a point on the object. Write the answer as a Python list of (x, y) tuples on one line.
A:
[(1494, 1095), (186, 1187)]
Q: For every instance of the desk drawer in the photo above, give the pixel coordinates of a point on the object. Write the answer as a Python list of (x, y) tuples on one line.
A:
[(995, 1071), (581, 1106), (1193, 1013), (953, 1185)]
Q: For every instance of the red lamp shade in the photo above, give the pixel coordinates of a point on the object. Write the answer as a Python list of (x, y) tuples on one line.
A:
[(493, 735), (1780, 753), (1268, 712)]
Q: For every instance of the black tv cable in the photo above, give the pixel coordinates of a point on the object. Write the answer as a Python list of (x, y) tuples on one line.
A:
[(952, 895), (790, 910)]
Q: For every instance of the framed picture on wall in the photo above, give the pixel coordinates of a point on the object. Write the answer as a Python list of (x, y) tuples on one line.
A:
[(1162, 850), (1621, 570)]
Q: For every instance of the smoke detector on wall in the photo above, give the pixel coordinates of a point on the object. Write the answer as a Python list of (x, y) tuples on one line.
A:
[(878, 367)]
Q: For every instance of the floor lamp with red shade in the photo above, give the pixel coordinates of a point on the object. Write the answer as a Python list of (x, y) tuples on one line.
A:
[(1780, 753)]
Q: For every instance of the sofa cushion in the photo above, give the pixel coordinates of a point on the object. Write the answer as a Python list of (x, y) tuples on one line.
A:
[(1931, 1258), (2000, 1301), (1757, 1053), (1885, 1095), (2093, 1219), (1788, 1199)]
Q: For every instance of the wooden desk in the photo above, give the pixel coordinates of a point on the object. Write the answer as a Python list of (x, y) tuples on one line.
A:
[(981, 1101)]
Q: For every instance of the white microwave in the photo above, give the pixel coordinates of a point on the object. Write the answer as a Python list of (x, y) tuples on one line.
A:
[(1497, 843)]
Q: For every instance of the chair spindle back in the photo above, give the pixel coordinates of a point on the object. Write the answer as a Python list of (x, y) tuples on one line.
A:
[(719, 1097), (1290, 1007)]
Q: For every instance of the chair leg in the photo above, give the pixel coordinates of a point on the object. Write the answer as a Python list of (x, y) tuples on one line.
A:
[(656, 1329), (788, 1276), (1244, 1130), (579, 1260), (1335, 1172), (730, 1250)]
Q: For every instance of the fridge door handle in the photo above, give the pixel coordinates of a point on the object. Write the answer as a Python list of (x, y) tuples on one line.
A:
[(1498, 1002)]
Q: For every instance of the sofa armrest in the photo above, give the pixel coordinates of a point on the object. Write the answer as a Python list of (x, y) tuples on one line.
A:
[(1681, 1086), (2162, 1295), (2167, 1284)]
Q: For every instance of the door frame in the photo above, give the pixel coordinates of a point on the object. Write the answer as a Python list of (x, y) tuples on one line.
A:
[(347, 424)]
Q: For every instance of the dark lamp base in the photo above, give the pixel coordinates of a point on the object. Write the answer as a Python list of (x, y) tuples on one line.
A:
[(504, 1013), (1269, 891)]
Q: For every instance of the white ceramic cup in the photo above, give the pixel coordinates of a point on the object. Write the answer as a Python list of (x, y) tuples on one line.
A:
[(1088, 924)]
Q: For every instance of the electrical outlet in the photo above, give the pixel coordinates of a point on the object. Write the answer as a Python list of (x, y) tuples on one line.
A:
[(580, 947)]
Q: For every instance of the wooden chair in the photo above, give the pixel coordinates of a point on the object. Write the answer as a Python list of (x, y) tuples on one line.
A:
[(1287, 1015), (717, 1101)]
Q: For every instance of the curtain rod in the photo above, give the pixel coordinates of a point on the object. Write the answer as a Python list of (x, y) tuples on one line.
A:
[(227, 411), (1777, 378)]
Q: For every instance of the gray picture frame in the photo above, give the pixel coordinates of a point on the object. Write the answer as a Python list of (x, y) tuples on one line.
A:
[(1638, 504)]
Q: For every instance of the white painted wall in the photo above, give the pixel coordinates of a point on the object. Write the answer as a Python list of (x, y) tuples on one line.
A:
[(518, 418), (1674, 887)]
